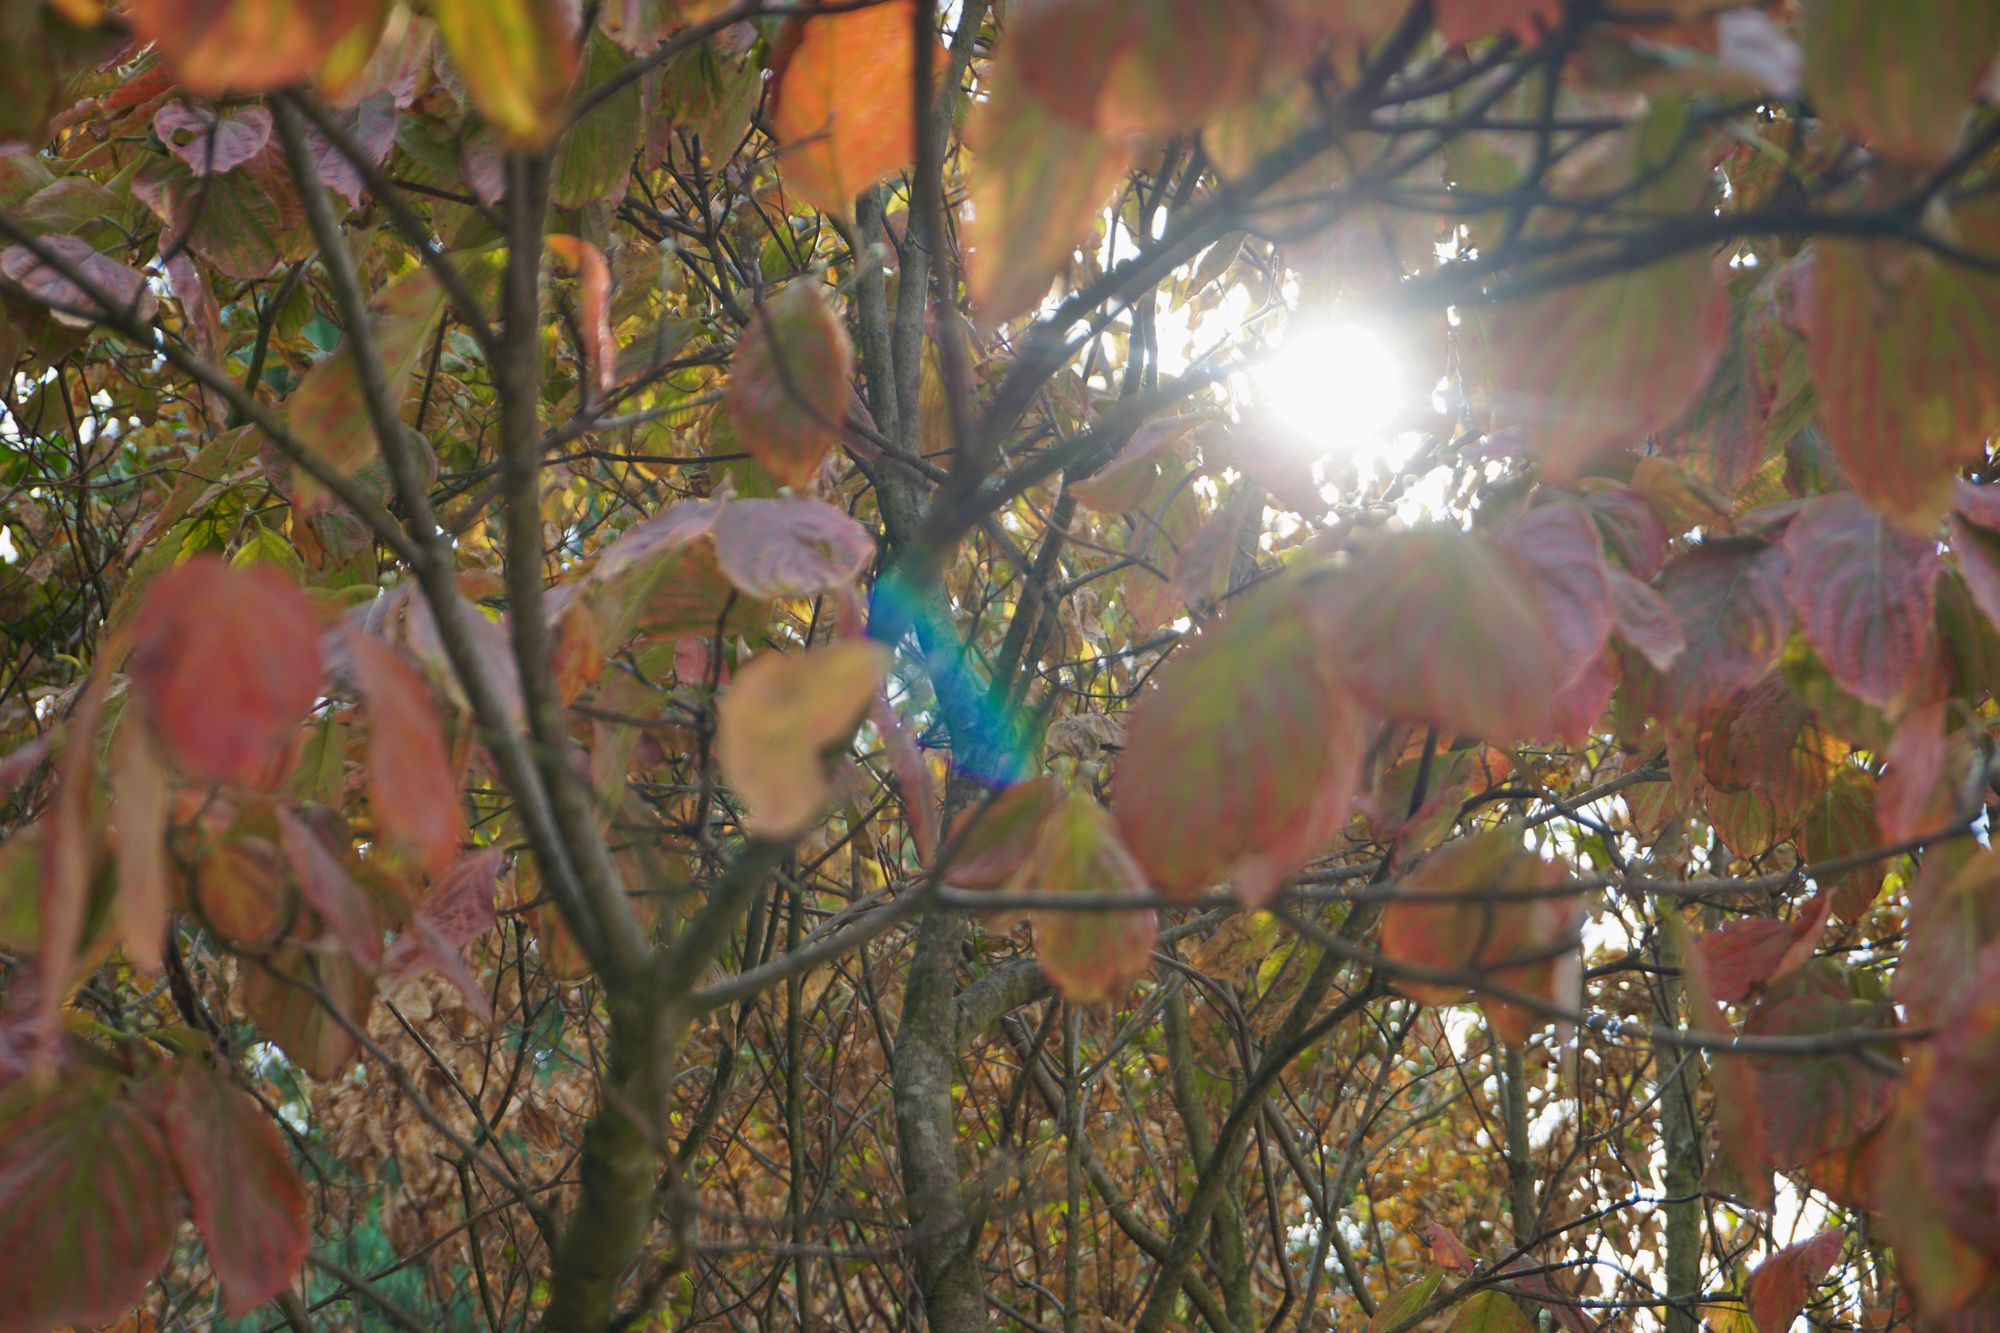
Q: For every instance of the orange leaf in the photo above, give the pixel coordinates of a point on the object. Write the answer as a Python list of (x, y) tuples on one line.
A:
[(1141, 66), (518, 59), (1089, 956), (844, 101), (248, 46), (594, 276), (777, 720)]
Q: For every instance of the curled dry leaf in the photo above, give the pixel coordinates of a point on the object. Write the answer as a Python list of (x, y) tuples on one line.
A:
[(777, 721)]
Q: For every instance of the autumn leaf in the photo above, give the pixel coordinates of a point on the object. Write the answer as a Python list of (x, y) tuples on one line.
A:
[(1815, 1103), (1739, 1111), (249, 46), (1122, 67), (1437, 626), (1490, 1312), (212, 140), (1090, 957), (1862, 589), (1588, 368), (788, 387), (226, 663), (1903, 354), (1899, 78), (1036, 186), (778, 719), (49, 285), (1778, 1287), (412, 786), (283, 1000), (249, 1203), (789, 547), (139, 794), (87, 1216), (325, 884), (600, 348), (1729, 597), (1252, 698), (518, 59), (456, 909), (842, 106), (988, 843)]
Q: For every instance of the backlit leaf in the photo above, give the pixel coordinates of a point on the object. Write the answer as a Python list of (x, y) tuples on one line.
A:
[(1904, 355), (1253, 698), (1436, 626), (1036, 184), (789, 547), (1779, 1286), (87, 1215), (249, 1203), (517, 58), (1391, 1313), (1813, 1104), (49, 286), (226, 663), (1587, 368), (843, 108), (1961, 1107), (780, 716), (412, 787), (247, 46), (1139, 66), (1898, 77), (292, 1016), (1090, 957), (1558, 547), (1862, 589), (788, 389), (1645, 621), (990, 842), (600, 348)]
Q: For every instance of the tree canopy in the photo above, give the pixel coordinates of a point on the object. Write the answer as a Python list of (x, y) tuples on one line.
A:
[(1021, 664)]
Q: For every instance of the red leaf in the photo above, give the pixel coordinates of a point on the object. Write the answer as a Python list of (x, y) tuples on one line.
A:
[(1462, 21), (1645, 621), (1959, 1113), (1140, 66), (1779, 1286), (1768, 743), (788, 387), (1862, 590), (1254, 698), (1729, 597), (1954, 915), (248, 46), (225, 662), (125, 287), (594, 278), (1586, 368), (1903, 354), (842, 109), (139, 796), (1914, 795), (1089, 956), (1435, 626), (1842, 823), (789, 547), (209, 140), (1899, 77), (412, 787), (989, 843), (325, 884), (249, 1203), (1739, 1112), (1741, 955), (291, 1014), (87, 1214), (457, 909), (1558, 547), (1813, 1104)]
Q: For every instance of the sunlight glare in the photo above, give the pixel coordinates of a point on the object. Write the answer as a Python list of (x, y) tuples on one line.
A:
[(1340, 389)]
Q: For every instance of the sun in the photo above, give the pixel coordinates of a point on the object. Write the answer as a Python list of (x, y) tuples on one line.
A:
[(1339, 391)]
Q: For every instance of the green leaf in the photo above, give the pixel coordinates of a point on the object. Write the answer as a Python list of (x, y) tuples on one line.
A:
[(1490, 1312), (595, 159)]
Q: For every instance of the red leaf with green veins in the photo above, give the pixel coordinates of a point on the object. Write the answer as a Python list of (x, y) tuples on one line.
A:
[(1089, 956), (1900, 78), (1906, 357), (1813, 1103), (1959, 1115), (1240, 765), (1917, 791), (456, 910), (249, 1203), (988, 843), (412, 787), (1439, 626), (226, 663), (1645, 621), (1729, 597), (789, 547), (1862, 589), (87, 1208), (1954, 916), (49, 285), (212, 140), (788, 389), (1739, 1111)]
